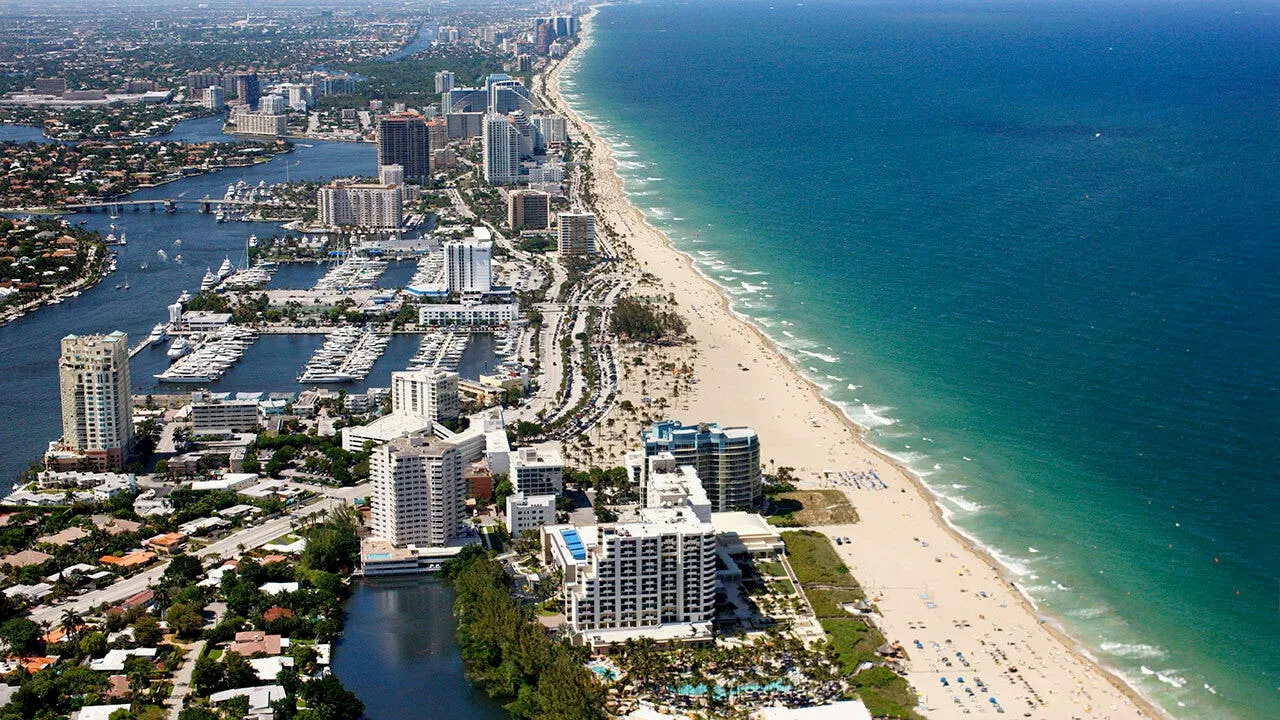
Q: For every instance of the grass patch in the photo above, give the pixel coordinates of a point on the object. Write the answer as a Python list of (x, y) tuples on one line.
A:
[(855, 641), (801, 508), (782, 587), (884, 693), (826, 601), (285, 539), (770, 568), (814, 560)]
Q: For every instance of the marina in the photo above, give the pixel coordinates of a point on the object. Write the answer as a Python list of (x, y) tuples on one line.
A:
[(347, 355), (440, 349), (354, 273), (209, 360)]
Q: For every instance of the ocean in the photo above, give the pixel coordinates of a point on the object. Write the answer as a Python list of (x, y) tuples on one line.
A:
[(1032, 248)]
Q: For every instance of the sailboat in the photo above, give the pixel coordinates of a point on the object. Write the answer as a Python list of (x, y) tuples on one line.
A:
[(126, 282)]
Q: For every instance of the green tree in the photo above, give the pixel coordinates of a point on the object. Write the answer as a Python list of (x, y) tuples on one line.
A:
[(147, 631), (183, 570), (21, 634), (185, 620)]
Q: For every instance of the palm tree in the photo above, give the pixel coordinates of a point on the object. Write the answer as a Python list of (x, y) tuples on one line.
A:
[(71, 622)]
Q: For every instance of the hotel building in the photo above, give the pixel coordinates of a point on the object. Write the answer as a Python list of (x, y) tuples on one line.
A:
[(654, 577)]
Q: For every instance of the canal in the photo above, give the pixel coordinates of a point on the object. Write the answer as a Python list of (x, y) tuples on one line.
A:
[(399, 654)]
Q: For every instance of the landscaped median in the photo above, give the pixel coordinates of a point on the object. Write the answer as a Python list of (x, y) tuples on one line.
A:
[(829, 586)]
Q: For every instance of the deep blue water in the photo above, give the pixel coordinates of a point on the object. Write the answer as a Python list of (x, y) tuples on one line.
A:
[(1033, 248)]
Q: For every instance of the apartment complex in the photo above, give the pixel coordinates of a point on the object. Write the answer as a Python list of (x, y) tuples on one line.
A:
[(528, 210), (214, 415), (468, 266), (727, 460), (425, 394), (537, 471), (249, 122), (346, 204), (651, 578), (419, 494), (419, 399), (97, 412), (577, 233), (403, 140)]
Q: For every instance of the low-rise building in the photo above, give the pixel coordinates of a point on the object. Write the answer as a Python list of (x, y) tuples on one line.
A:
[(537, 471), (529, 512)]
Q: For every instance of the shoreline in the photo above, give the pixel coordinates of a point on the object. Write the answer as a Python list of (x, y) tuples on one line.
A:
[(617, 207)]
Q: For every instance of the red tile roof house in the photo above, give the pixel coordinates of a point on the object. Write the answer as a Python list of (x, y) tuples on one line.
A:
[(252, 642)]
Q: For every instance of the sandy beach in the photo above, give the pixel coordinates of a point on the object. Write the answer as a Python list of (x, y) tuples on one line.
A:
[(929, 582)]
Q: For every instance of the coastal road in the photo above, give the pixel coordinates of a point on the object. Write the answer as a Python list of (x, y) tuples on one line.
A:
[(228, 547)]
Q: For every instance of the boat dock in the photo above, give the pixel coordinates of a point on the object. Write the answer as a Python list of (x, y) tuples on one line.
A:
[(346, 356), (440, 349), (211, 358)]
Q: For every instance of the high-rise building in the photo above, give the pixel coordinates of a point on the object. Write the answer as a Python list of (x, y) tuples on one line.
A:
[(272, 104), (468, 266), (551, 131), (507, 96), (526, 512), (501, 150), (650, 578), (215, 98), (430, 395), (464, 125), (444, 81), (344, 204), (537, 471), (727, 460), (528, 210), (249, 122), (419, 492), (577, 233), (200, 81), (464, 100), (97, 412), (403, 140), (213, 415), (247, 89), (527, 134)]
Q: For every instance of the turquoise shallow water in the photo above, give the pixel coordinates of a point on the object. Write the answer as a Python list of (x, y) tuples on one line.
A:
[(1032, 247)]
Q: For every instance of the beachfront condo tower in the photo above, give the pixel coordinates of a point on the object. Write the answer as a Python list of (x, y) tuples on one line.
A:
[(727, 459), (577, 233), (501, 150), (654, 577)]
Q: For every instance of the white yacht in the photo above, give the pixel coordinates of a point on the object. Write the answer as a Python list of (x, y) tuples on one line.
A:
[(225, 268), (157, 334), (209, 282), (179, 348)]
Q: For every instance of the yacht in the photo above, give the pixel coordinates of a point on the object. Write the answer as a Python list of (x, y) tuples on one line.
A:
[(225, 268), (209, 282), (123, 239), (179, 348), (184, 297), (111, 238), (157, 334)]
